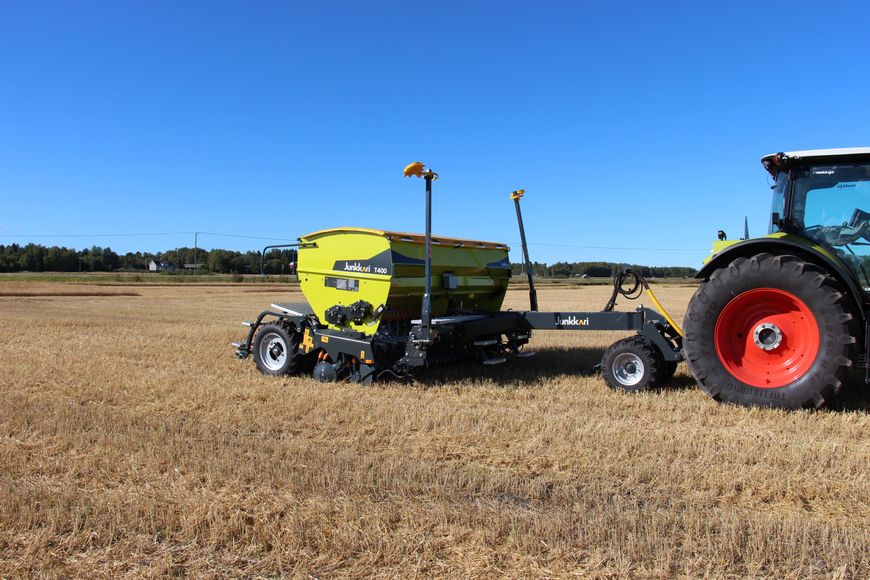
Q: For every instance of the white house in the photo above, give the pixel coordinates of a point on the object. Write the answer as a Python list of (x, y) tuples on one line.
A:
[(159, 266)]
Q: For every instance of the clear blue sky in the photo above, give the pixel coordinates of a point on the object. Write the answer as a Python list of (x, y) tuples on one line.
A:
[(631, 125)]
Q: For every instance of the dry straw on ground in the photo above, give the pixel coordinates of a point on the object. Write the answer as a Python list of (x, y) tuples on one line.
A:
[(132, 443)]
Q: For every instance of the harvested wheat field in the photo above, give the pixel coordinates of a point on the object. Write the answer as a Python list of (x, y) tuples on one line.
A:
[(133, 443)]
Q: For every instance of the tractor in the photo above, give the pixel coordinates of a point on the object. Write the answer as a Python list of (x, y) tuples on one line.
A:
[(782, 321)]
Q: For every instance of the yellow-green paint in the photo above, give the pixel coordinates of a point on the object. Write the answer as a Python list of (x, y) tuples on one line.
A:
[(388, 268), (721, 245)]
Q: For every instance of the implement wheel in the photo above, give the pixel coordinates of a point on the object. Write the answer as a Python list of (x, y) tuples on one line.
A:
[(770, 331), (669, 369), (631, 365), (276, 351)]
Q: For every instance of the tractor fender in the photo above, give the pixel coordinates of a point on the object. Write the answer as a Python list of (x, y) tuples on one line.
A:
[(748, 248)]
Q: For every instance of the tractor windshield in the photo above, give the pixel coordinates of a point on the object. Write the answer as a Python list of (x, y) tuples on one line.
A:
[(831, 206)]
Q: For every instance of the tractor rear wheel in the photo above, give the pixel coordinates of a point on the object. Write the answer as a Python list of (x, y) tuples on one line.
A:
[(276, 351), (770, 331)]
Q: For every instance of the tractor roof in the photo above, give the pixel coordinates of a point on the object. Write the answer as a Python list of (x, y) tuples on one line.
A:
[(775, 162)]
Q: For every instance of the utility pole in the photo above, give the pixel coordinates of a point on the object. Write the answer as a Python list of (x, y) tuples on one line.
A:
[(195, 247)]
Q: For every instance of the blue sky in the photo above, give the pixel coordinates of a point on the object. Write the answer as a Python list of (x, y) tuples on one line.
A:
[(636, 128)]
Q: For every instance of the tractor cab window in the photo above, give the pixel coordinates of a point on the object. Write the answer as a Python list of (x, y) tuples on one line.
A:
[(831, 206), (778, 206)]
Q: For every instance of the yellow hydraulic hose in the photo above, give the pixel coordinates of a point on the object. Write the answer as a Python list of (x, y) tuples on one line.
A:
[(662, 309)]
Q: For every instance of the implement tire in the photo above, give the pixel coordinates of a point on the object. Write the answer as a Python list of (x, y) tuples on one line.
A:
[(770, 331), (631, 365), (276, 351), (668, 370)]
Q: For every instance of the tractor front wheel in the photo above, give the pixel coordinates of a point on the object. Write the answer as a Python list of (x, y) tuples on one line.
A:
[(770, 331)]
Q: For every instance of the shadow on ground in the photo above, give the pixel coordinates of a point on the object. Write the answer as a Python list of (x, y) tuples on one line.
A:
[(548, 363), (855, 396), (554, 362)]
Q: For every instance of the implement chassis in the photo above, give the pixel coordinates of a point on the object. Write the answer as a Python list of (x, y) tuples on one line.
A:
[(332, 344)]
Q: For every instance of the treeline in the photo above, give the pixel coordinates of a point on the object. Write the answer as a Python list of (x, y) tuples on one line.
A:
[(38, 258), (601, 270)]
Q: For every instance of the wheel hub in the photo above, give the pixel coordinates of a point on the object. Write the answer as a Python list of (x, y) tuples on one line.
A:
[(273, 351), (767, 336), (628, 369), (276, 349)]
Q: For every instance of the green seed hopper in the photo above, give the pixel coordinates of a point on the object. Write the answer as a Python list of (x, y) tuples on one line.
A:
[(341, 267)]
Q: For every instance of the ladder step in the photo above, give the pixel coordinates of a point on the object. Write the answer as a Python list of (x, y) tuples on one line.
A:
[(489, 342), (238, 344), (494, 361), (527, 354), (521, 336)]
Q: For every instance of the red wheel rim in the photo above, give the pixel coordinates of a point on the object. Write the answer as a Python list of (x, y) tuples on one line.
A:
[(766, 338)]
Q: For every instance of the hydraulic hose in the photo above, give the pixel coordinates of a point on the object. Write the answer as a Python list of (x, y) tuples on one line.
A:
[(632, 290)]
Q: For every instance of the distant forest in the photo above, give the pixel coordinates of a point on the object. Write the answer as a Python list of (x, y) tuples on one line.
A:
[(38, 258), (602, 270)]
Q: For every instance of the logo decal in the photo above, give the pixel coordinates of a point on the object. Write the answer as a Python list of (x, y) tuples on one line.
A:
[(365, 268), (572, 321), (379, 264)]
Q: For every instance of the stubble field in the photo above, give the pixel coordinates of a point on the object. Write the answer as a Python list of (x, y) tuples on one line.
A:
[(133, 443)]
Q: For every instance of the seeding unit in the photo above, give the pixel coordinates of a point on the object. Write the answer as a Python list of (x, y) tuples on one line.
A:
[(383, 303)]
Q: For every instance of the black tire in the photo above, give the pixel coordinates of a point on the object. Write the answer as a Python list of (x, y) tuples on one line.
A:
[(631, 365), (276, 351), (814, 381), (668, 369)]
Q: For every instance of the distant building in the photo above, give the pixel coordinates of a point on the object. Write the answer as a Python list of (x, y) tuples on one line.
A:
[(154, 266), (190, 266)]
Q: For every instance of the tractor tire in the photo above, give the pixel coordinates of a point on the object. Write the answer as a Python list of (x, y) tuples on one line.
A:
[(276, 351), (631, 365), (770, 331)]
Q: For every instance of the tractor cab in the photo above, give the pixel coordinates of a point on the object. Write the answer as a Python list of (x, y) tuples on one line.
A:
[(824, 196)]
